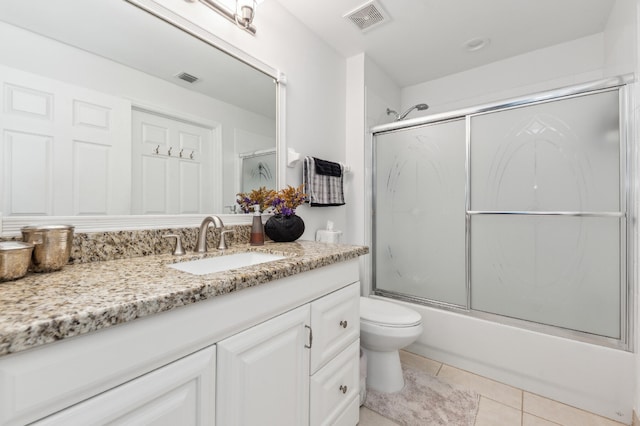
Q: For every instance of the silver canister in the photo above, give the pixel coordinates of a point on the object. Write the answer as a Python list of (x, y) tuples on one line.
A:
[(15, 257), (52, 246)]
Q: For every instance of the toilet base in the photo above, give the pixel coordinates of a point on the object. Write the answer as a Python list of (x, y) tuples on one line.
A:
[(384, 372)]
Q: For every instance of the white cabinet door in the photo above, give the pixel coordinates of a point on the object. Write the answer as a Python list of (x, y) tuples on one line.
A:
[(335, 388), (263, 373), (181, 393)]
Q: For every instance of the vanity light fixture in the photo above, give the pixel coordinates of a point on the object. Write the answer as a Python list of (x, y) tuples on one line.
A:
[(242, 16), (245, 11)]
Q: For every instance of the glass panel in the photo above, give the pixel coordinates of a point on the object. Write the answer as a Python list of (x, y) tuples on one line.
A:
[(562, 271), (419, 206), (556, 156)]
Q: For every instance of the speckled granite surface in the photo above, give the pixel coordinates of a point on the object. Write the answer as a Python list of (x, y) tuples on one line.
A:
[(111, 245), (84, 297), (99, 246)]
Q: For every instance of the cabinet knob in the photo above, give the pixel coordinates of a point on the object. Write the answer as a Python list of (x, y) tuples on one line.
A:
[(343, 388), (343, 324)]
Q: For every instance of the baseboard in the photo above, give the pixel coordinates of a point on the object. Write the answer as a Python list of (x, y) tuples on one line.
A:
[(636, 419)]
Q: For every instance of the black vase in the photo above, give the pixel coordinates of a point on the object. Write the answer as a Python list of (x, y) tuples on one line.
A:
[(284, 229)]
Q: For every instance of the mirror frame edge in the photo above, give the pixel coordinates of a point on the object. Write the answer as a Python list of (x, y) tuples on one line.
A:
[(10, 225)]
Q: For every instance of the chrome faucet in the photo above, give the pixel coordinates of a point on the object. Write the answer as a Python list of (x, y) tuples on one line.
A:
[(201, 247)]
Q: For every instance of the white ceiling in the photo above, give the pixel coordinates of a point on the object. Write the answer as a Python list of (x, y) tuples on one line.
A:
[(424, 39)]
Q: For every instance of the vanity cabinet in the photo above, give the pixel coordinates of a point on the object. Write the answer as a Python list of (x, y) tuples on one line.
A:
[(299, 368), (248, 350)]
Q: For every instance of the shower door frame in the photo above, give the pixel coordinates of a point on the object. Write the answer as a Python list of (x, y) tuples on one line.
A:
[(627, 213)]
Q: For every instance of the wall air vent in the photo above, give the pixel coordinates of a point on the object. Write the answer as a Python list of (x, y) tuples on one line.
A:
[(368, 16), (187, 77)]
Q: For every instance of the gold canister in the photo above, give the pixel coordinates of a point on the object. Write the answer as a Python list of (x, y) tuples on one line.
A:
[(52, 246), (14, 259)]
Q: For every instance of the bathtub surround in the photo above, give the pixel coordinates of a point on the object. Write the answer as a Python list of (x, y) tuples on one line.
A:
[(426, 400)]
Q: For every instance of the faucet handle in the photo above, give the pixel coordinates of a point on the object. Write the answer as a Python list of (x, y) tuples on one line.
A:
[(223, 244), (178, 251)]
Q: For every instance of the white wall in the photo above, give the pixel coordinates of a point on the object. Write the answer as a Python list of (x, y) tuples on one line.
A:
[(556, 66), (382, 93), (315, 90), (354, 147), (369, 93), (620, 39)]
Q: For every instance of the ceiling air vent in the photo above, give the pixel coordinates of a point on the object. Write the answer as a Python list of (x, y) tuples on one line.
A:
[(367, 16), (187, 77)]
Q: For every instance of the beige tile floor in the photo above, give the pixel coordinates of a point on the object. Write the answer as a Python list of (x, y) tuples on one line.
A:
[(500, 404)]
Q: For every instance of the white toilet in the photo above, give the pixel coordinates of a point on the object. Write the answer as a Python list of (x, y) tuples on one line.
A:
[(384, 329)]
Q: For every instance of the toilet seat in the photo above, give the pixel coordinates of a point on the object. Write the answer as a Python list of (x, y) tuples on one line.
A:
[(387, 314)]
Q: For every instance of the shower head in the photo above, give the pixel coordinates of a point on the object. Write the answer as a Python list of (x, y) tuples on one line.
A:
[(419, 107)]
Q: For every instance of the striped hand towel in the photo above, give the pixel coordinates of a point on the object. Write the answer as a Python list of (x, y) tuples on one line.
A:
[(323, 182)]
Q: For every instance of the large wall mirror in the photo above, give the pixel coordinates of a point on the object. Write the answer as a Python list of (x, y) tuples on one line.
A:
[(108, 110)]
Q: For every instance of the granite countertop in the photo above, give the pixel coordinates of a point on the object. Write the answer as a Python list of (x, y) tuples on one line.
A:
[(43, 308)]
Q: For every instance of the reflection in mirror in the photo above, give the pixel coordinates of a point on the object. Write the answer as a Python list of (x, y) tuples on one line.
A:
[(258, 169), (109, 110)]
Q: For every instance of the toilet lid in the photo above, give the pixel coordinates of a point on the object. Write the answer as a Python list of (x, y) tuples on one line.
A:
[(386, 313)]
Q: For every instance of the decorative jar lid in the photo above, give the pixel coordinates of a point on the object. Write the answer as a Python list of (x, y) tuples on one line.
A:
[(14, 245)]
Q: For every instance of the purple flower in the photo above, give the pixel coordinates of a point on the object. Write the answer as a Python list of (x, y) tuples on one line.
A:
[(286, 211)]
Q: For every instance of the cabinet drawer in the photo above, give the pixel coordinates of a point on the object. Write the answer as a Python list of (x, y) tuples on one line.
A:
[(335, 388), (335, 321)]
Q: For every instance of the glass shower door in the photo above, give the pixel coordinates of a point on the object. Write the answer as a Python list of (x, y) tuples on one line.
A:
[(419, 212), (547, 219)]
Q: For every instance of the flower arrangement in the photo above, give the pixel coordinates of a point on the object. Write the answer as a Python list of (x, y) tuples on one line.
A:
[(261, 196), (285, 201)]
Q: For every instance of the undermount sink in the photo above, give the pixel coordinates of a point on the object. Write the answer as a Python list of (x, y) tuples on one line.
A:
[(210, 265)]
